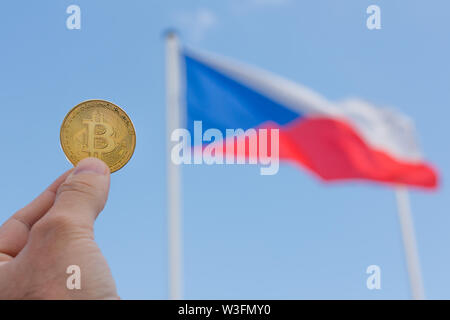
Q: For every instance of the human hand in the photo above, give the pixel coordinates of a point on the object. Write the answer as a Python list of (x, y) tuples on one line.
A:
[(56, 230)]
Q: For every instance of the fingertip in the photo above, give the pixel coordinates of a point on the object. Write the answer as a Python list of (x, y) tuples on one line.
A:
[(91, 165)]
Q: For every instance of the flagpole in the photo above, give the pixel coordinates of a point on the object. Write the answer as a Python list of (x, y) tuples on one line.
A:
[(173, 171), (409, 243)]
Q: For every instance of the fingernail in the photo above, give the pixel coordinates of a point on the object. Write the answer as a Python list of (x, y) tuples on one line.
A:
[(91, 165)]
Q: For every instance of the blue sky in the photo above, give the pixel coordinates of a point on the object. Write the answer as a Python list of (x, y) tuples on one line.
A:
[(244, 235)]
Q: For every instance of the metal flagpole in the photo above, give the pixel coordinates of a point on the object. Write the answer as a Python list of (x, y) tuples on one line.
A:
[(409, 242), (173, 171)]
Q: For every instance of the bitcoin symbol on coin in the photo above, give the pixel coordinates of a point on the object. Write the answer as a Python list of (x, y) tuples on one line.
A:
[(98, 136), (100, 129)]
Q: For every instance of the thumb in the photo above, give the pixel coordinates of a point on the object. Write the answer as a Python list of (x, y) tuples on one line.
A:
[(82, 196)]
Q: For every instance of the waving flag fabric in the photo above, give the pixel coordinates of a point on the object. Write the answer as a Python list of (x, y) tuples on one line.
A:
[(351, 139)]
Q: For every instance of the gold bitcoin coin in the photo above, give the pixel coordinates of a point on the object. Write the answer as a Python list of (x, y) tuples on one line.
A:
[(98, 128)]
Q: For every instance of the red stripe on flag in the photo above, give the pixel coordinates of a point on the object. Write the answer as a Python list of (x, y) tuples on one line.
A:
[(334, 150)]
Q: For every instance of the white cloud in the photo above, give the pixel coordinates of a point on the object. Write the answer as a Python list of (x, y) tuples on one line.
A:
[(196, 24), (267, 2), (244, 6)]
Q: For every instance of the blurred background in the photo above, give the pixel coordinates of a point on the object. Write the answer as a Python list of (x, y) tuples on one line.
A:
[(245, 236)]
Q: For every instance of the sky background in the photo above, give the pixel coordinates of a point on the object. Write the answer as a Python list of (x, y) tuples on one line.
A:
[(245, 236)]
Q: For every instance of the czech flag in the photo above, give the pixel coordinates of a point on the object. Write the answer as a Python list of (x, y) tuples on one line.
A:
[(344, 140)]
